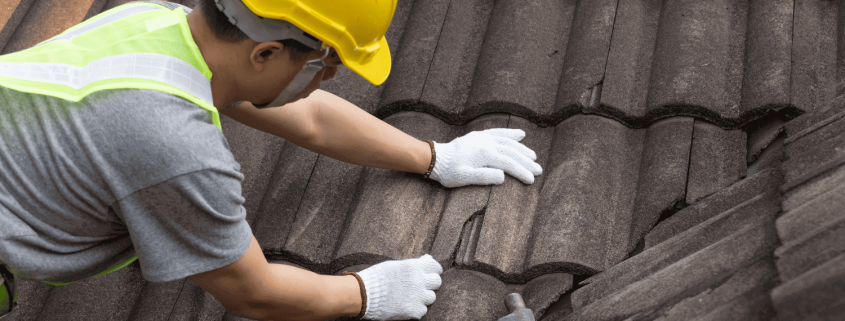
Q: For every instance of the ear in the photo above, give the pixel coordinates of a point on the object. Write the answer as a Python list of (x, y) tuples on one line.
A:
[(263, 52)]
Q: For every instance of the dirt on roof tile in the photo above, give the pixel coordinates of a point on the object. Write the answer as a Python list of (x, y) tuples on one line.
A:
[(762, 208), (758, 278), (811, 215), (818, 293), (412, 60), (697, 271), (766, 181), (663, 174), (816, 71), (717, 160), (812, 249)]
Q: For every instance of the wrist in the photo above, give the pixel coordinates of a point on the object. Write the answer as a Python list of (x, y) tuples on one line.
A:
[(422, 156), (346, 294)]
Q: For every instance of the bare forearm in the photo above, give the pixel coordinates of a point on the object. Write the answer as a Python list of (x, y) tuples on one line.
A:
[(255, 289), (350, 134), (334, 127), (297, 294)]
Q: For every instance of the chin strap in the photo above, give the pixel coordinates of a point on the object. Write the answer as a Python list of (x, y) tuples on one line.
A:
[(311, 68)]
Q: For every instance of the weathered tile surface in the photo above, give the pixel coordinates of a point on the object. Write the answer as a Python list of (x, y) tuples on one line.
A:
[(761, 208), (717, 160), (810, 294)]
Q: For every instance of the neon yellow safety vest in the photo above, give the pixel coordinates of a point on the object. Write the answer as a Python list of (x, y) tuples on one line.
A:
[(134, 46)]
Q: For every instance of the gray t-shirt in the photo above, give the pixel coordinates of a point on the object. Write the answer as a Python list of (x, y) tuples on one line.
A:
[(86, 185)]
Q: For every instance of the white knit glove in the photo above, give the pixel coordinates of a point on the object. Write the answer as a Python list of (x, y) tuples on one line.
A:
[(483, 158), (401, 290)]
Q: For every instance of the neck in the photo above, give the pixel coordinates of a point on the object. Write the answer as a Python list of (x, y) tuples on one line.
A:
[(220, 56)]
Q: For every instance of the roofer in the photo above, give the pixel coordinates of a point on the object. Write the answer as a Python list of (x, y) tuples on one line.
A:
[(112, 150)]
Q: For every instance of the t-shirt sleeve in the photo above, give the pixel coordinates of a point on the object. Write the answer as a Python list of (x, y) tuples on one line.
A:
[(189, 224)]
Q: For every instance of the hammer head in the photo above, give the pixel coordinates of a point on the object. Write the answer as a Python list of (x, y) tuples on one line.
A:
[(517, 309)]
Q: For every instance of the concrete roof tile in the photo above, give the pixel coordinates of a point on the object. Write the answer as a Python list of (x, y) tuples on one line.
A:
[(815, 55), (542, 291), (762, 208), (759, 277), (450, 76), (696, 271), (319, 218), (812, 249), (584, 215), (713, 205), (768, 53), (283, 195), (717, 160), (811, 215), (585, 60), (818, 293), (503, 239), (413, 58), (517, 71), (258, 153), (156, 300), (663, 173), (12, 12), (32, 297)]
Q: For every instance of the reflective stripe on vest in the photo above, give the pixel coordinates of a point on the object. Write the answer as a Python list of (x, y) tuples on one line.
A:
[(154, 67), (134, 46)]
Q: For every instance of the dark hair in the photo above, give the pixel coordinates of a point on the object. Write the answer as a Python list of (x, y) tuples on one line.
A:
[(225, 30)]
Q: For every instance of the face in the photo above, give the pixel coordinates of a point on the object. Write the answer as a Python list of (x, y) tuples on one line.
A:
[(331, 62)]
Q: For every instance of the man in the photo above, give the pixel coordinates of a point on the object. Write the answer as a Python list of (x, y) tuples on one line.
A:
[(111, 150)]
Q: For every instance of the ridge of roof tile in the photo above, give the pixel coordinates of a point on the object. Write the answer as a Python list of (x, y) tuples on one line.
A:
[(761, 208), (689, 276), (713, 205), (817, 293), (750, 286), (717, 160)]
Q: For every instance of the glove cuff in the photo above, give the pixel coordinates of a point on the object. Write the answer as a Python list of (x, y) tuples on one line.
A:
[(376, 291), (445, 153)]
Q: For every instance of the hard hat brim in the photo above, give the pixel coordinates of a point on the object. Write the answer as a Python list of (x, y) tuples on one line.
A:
[(376, 69)]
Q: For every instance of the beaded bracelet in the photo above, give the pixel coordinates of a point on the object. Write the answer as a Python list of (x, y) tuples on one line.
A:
[(363, 294), (433, 159)]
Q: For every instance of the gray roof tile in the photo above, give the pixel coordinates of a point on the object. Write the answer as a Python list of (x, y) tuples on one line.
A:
[(811, 215), (663, 173), (761, 208), (697, 271), (713, 205), (816, 69), (283, 196), (717, 160), (819, 293), (811, 249), (754, 280)]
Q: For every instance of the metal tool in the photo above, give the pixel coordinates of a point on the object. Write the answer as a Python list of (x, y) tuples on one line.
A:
[(517, 309)]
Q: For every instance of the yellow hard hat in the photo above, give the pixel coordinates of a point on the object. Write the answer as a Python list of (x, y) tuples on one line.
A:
[(354, 28)]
